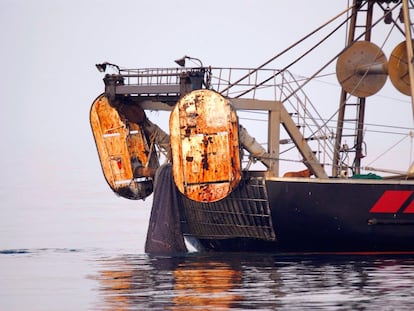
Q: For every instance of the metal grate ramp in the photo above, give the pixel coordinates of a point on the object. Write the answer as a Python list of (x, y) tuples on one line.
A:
[(244, 213)]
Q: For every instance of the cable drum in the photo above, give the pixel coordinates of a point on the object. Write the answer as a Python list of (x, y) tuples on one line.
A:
[(398, 69), (362, 69)]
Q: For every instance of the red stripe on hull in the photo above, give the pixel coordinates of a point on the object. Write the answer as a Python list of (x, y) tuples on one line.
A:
[(410, 208), (391, 201)]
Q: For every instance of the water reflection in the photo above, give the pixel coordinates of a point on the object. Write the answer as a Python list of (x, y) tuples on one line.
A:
[(173, 283), (199, 284), (261, 282)]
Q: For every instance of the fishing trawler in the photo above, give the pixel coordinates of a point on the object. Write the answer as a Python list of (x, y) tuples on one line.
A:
[(215, 185)]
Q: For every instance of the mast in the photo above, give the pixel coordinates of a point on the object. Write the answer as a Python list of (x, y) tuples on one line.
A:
[(362, 70), (409, 45), (345, 105)]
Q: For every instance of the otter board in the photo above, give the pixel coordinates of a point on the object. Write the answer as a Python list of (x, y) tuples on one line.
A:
[(122, 149), (205, 146)]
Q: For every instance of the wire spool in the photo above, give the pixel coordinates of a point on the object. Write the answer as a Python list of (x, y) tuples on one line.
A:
[(398, 69), (362, 69)]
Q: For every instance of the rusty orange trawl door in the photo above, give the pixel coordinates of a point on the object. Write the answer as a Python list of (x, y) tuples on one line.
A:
[(205, 146)]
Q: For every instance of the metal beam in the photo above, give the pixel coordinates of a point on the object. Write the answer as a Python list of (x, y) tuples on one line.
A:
[(277, 115), (147, 89), (309, 157), (409, 45), (274, 141), (238, 104)]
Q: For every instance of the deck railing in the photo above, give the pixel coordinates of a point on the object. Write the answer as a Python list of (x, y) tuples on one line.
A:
[(250, 83)]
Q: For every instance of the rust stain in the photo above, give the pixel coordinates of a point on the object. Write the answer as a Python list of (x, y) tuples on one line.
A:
[(204, 142), (121, 144)]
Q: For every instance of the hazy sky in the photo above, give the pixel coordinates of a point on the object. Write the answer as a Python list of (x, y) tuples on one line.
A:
[(49, 80), (50, 49)]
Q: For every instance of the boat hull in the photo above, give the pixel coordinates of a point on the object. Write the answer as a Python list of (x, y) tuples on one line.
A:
[(333, 216)]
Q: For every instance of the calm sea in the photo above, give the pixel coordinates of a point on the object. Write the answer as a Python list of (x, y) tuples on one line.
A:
[(68, 243), (93, 279)]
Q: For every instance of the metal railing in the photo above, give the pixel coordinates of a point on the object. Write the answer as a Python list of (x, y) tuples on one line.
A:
[(263, 84)]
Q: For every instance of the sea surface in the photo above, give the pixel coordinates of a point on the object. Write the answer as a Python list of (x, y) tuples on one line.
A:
[(68, 243), (95, 279), (93, 259)]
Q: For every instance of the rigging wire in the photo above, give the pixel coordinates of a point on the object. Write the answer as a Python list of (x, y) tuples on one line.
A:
[(316, 74), (389, 149), (366, 72), (286, 50), (324, 67), (295, 61), (348, 128)]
